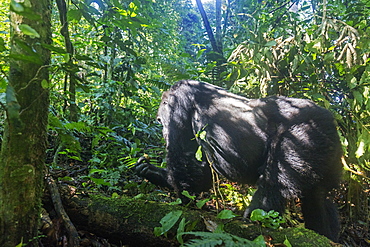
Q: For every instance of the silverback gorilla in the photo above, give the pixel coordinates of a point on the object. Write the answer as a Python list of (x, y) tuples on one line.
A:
[(287, 147)]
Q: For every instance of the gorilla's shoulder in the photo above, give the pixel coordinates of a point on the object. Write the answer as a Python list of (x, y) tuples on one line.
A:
[(195, 85)]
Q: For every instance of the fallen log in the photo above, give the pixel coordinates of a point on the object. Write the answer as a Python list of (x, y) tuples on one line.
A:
[(130, 222)]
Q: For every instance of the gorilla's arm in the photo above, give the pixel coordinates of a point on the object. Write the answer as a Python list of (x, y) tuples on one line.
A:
[(155, 175)]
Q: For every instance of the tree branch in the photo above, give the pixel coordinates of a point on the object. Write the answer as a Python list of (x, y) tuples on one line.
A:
[(73, 239)]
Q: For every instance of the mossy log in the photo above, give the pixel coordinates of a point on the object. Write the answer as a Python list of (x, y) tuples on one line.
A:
[(127, 221)]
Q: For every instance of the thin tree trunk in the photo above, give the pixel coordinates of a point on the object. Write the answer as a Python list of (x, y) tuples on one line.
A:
[(216, 42), (24, 141), (227, 14), (208, 28), (218, 26), (73, 109)]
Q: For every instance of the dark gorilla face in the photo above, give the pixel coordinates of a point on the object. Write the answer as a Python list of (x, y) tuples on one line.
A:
[(163, 114)]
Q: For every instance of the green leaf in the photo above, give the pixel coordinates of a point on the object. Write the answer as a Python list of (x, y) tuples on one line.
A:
[(200, 52), (177, 202), (83, 57), (167, 222), (329, 57), (199, 154), (67, 57), (207, 242), (259, 241), (56, 49), (258, 214), (201, 203), (352, 83), (180, 230), (270, 219), (24, 46), (78, 126), (3, 85), (271, 43), (358, 96), (44, 84), (361, 149), (20, 244), (27, 30), (186, 193), (185, 54), (2, 45), (75, 157), (32, 59), (222, 239), (115, 195), (16, 6), (66, 178), (74, 15), (100, 181), (226, 214), (23, 8), (202, 135), (287, 243)]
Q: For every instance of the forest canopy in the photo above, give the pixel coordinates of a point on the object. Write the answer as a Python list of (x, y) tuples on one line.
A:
[(81, 82)]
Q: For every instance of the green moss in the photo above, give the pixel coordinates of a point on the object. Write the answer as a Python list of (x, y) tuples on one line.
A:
[(298, 237), (23, 172), (148, 213), (301, 237)]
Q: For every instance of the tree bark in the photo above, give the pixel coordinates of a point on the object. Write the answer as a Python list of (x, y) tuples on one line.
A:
[(24, 141)]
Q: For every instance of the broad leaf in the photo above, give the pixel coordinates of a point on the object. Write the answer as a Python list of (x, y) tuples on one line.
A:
[(27, 30)]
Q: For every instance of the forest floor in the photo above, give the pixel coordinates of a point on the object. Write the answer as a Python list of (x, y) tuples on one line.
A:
[(352, 198)]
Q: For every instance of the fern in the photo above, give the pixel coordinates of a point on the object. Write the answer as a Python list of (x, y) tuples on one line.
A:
[(78, 126), (205, 242), (210, 239), (158, 83)]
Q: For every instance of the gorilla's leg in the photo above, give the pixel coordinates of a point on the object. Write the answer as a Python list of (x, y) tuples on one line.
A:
[(333, 215), (267, 198), (155, 175), (271, 193), (320, 214)]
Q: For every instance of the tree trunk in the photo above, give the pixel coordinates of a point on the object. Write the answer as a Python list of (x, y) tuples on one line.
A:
[(24, 141), (208, 28), (216, 42), (218, 27)]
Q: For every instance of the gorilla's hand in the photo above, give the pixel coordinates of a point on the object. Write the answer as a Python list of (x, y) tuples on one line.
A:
[(155, 175)]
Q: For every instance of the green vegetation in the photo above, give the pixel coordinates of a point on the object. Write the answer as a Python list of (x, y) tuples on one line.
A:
[(269, 219), (100, 67)]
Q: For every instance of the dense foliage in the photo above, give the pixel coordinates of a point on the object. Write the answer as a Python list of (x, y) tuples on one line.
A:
[(112, 59)]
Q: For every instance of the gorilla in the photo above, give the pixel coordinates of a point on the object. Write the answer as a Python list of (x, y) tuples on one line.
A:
[(287, 147)]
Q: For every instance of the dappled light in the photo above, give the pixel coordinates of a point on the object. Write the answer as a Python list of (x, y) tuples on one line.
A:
[(275, 116)]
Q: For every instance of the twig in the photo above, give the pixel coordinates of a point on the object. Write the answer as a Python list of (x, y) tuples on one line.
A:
[(3, 106), (346, 167), (35, 78)]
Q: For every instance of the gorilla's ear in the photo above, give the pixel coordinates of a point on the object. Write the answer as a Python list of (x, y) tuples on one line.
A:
[(163, 110), (165, 96)]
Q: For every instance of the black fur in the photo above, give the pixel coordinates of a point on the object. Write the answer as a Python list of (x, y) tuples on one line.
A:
[(287, 147)]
